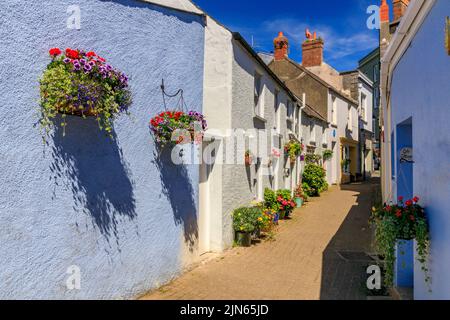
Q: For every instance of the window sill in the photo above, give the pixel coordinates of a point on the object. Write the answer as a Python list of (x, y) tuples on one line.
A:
[(334, 125), (258, 117)]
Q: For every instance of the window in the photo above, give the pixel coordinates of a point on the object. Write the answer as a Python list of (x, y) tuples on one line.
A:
[(350, 118), (290, 116), (376, 70), (259, 107), (324, 136), (363, 107), (334, 110), (312, 133), (277, 111)]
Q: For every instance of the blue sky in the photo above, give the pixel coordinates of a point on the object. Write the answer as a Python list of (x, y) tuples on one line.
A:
[(341, 23)]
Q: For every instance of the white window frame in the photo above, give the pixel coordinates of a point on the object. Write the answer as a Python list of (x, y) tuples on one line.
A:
[(334, 110), (364, 107), (350, 118), (258, 92), (312, 132)]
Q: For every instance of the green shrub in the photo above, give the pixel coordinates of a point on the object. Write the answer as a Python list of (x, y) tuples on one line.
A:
[(270, 200), (315, 178), (246, 219)]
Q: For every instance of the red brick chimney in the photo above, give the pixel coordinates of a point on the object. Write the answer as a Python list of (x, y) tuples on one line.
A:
[(400, 7), (281, 45), (312, 51), (384, 12)]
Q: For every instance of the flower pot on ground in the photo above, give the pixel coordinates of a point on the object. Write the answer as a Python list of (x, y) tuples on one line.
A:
[(314, 180), (299, 202), (178, 127), (396, 228), (246, 220), (285, 202), (243, 239), (82, 84), (299, 196)]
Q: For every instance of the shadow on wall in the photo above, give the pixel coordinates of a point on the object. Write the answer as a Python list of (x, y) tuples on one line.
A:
[(93, 165), (177, 187)]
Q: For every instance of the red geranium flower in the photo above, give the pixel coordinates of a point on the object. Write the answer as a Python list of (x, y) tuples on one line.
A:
[(91, 54), (416, 199), (409, 203), (72, 54), (398, 213), (388, 208), (400, 199), (55, 52)]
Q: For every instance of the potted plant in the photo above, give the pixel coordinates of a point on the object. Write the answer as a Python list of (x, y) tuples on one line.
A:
[(293, 149), (327, 155), (397, 227), (271, 203), (248, 158), (82, 84), (314, 177), (245, 222), (178, 127), (286, 204), (299, 196)]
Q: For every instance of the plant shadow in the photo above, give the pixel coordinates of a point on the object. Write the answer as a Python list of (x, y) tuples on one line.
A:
[(92, 165), (177, 188)]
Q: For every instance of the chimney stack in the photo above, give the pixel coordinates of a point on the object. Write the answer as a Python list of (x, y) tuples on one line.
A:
[(312, 50), (385, 29), (281, 45), (400, 7)]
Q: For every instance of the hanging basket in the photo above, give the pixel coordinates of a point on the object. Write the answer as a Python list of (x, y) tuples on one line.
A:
[(79, 112), (82, 84), (177, 127)]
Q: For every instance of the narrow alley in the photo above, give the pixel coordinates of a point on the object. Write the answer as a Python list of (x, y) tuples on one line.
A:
[(320, 254)]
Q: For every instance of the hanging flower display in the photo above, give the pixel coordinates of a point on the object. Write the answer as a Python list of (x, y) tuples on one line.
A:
[(405, 220), (293, 149), (82, 84), (178, 127)]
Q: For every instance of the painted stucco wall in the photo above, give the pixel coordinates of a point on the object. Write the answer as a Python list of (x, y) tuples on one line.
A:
[(125, 216), (419, 90), (239, 181)]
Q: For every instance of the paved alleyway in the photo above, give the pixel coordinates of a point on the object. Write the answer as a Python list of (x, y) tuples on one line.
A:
[(317, 255)]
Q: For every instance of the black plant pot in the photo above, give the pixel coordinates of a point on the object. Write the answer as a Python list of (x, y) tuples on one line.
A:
[(244, 239)]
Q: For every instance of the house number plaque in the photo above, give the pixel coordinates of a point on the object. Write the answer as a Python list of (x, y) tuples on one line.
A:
[(406, 155)]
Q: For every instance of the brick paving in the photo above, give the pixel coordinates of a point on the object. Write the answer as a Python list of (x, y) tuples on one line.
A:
[(316, 255)]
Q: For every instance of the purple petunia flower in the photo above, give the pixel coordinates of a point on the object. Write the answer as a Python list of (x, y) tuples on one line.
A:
[(82, 61), (66, 60)]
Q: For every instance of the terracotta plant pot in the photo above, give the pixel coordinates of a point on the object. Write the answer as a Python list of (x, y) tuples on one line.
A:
[(244, 239)]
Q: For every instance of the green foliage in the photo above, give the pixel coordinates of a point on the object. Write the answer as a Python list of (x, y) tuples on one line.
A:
[(401, 222), (293, 149), (300, 193), (270, 200), (247, 219), (306, 190), (327, 155), (66, 91), (314, 177), (313, 159)]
